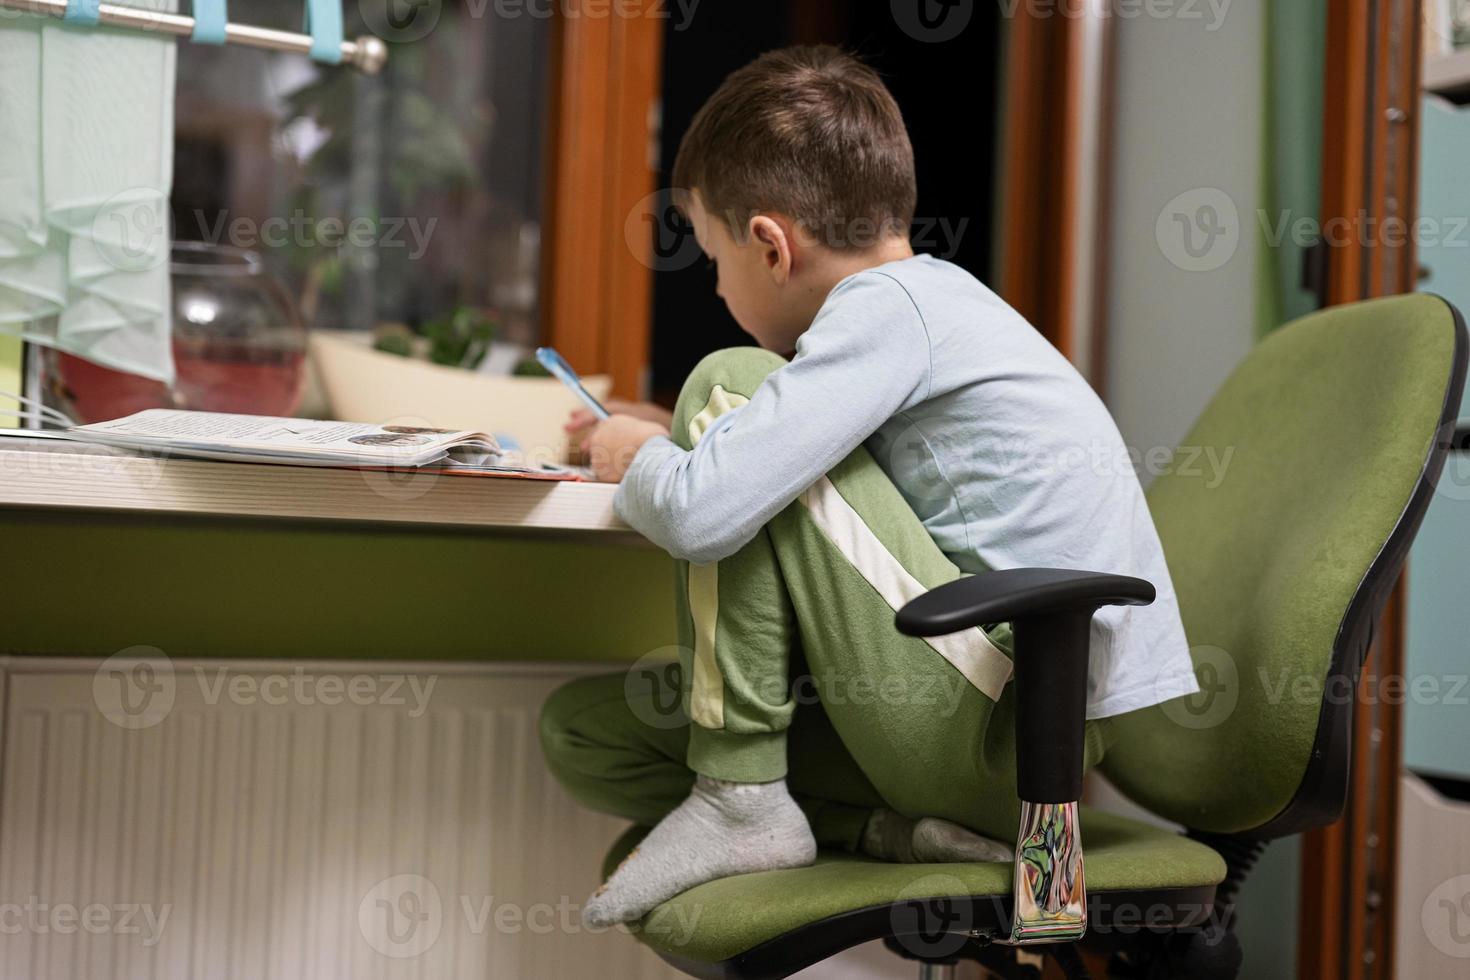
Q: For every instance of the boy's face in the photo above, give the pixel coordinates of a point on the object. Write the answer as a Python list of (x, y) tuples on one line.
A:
[(754, 275)]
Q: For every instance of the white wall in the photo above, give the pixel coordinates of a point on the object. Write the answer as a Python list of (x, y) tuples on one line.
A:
[(1186, 119), (1187, 122)]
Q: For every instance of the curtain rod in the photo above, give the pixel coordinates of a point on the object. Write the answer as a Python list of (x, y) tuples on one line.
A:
[(367, 54)]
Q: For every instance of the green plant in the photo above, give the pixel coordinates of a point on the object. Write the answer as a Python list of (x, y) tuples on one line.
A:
[(529, 367), (460, 339), (394, 343)]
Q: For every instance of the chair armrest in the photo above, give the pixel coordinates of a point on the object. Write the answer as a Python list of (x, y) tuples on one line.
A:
[(1050, 611), (1015, 593)]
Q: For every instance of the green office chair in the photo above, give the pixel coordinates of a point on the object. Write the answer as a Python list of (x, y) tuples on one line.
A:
[(1336, 428)]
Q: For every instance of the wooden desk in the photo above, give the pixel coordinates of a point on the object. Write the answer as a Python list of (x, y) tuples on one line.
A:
[(106, 550), (50, 474)]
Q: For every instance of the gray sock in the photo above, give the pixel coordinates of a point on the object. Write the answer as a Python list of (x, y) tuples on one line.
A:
[(722, 829), (891, 836)]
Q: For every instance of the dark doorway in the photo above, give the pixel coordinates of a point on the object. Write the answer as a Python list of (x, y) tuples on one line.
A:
[(946, 88)]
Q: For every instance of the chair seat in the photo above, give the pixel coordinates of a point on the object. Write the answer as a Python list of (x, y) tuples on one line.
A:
[(742, 925)]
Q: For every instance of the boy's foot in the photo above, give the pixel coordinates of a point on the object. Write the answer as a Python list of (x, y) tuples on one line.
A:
[(723, 829), (891, 836)]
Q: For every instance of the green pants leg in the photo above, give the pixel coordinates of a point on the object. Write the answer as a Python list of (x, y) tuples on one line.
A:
[(802, 614), (619, 744)]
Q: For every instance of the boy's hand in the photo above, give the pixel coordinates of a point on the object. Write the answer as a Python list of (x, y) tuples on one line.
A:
[(582, 419), (611, 445)]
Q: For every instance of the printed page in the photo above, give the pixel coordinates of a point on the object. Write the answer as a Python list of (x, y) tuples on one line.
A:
[(223, 434)]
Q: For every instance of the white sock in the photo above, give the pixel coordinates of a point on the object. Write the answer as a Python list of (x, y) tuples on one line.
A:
[(722, 829), (891, 836)]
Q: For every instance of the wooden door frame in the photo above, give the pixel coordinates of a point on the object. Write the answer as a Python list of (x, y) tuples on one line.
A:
[(1369, 176), (597, 277), (1056, 115)]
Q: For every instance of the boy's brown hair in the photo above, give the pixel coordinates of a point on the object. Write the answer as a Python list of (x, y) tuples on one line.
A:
[(808, 132)]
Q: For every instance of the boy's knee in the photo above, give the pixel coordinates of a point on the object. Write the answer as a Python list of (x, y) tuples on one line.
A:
[(721, 381), (558, 725)]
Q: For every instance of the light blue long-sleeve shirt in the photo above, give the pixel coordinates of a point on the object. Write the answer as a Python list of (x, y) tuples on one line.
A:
[(997, 443)]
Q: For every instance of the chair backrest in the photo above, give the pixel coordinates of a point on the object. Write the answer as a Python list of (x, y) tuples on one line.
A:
[(1285, 519)]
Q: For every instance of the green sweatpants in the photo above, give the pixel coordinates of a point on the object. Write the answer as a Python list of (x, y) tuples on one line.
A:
[(790, 665)]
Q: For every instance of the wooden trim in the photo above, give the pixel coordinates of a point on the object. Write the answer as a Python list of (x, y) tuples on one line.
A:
[(1055, 177), (597, 278), (1369, 174), (1031, 172), (1102, 245), (100, 481)]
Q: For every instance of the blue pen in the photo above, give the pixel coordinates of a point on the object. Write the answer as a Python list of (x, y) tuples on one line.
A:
[(562, 371)]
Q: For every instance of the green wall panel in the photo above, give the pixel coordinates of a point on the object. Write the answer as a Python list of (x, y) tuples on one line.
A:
[(96, 584)]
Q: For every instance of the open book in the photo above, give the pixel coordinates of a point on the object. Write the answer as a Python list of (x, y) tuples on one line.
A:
[(305, 442)]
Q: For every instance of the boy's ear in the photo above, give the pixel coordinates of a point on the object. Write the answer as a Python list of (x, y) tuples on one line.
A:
[(770, 238)]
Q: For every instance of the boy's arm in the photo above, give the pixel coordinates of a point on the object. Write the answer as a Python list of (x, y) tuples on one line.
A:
[(865, 358)]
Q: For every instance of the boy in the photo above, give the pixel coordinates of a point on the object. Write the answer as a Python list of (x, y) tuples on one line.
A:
[(920, 430)]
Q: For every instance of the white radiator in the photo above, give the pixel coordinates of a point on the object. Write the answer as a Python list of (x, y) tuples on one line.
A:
[(240, 838), (219, 820)]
